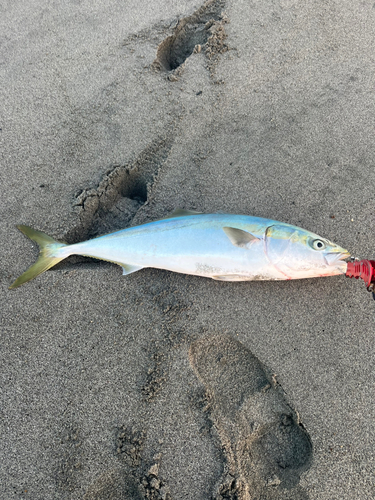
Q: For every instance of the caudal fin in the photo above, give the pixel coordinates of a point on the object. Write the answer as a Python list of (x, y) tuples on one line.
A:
[(48, 251)]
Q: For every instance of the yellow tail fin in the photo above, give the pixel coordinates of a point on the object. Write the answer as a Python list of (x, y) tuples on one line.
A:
[(47, 249)]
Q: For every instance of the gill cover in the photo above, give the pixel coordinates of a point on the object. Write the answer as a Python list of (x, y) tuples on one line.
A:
[(279, 239)]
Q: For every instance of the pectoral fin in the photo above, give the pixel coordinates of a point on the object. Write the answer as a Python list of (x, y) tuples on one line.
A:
[(128, 269), (240, 238)]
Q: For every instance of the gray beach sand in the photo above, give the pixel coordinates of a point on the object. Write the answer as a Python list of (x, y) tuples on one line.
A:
[(165, 386)]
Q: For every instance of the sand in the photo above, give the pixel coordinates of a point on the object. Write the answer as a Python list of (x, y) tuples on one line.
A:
[(165, 386)]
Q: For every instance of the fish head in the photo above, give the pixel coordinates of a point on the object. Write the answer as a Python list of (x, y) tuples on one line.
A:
[(298, 253)]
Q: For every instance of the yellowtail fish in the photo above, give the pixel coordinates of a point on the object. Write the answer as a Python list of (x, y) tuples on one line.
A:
[(219, 246)]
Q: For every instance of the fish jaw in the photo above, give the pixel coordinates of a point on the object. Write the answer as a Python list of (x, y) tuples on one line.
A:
[(334, 258), (336, 263)]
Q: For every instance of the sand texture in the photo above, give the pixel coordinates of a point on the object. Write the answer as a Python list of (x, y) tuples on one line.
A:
[(159, 385)]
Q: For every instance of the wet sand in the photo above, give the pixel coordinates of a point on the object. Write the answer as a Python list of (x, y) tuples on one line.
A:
[(165, 386)]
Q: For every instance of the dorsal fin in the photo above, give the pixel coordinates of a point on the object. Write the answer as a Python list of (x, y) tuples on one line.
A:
[(240, 238), (180, 212)]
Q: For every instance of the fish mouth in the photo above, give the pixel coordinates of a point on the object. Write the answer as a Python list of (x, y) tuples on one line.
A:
[(334, 257)]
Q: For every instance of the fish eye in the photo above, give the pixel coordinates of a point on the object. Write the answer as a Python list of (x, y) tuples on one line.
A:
[(318, 245)]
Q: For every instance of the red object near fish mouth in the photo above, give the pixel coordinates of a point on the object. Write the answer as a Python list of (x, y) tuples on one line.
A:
[(364, 269)]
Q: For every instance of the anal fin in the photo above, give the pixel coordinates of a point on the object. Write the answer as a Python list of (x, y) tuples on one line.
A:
[(128, 268)]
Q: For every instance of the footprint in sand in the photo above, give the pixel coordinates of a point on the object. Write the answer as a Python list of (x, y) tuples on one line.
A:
[(265, 445)]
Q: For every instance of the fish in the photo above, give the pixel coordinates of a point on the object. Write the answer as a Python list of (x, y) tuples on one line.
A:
[(223, 247)]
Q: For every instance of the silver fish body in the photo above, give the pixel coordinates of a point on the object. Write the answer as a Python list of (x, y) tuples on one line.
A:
[(219, 246)]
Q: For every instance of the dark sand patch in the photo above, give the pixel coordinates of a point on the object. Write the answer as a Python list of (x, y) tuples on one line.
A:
[(113, 485), (129, 445), (152, 486), (144, 474), (69, 458), (265, 445)]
